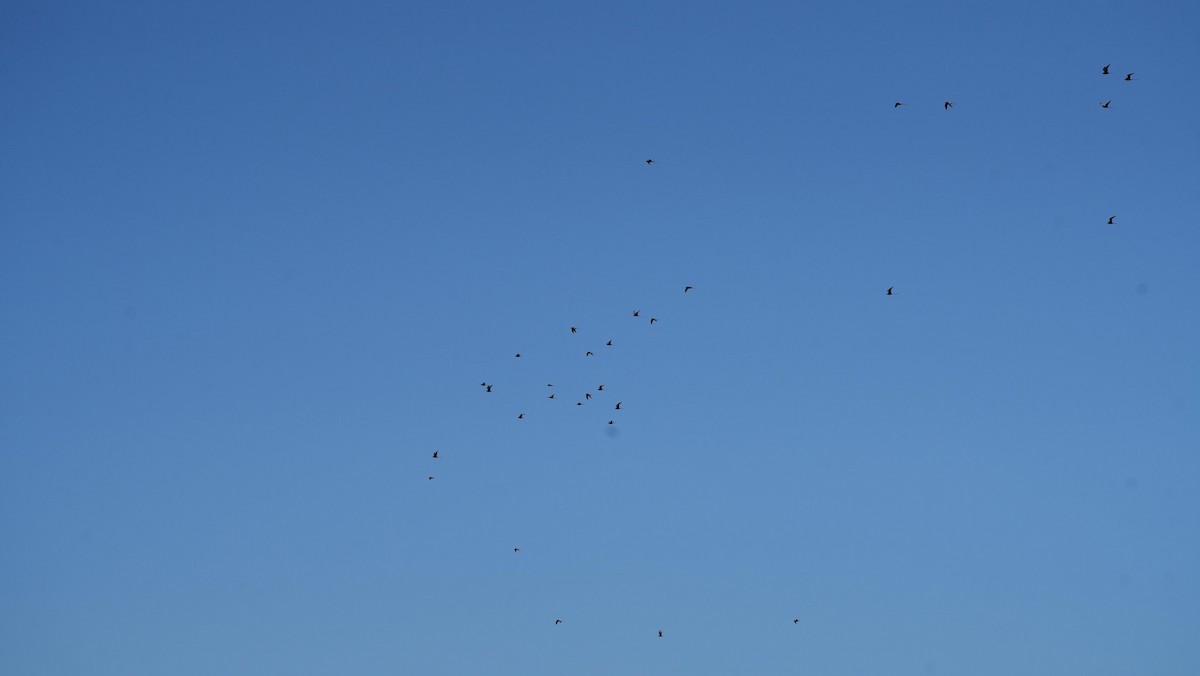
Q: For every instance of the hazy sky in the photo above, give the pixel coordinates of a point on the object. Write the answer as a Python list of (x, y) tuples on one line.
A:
[(255, 262)]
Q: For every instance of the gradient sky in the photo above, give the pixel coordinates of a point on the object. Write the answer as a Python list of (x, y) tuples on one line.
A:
[(256, 258)]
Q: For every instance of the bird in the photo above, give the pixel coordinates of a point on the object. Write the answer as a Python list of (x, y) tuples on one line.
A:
[(652, 320), (650, 162), (1105, 104), (688, 288), (609, 343), (518, 355), (520, 416), (549, 384), (618, 408), (796, 621), (516, 549), (483, 384), (579, 403), (550, 397), (897, 104), (610, 422), (489, 388), (947, 105), (660, 633), (435, 455), (636, 312), (1129, 77), (600, 389), (587, 395), (558, 622), (589, 354), (430, 478), (574, 330), (890, 290), (1111, 219), (1104, 71)]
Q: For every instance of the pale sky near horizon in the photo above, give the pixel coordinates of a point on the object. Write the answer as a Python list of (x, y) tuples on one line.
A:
[(256, 259)]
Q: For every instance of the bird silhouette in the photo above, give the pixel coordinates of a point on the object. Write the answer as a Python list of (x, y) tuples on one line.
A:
[(574, 330), (518, 355), (1105, 104), (947, 105), (589, 354), (660, 634), (618, 408), (435, 455), (489, 388), (1104, 71), (796, 621), (609, 343), (483, 384), (650, 162), (579, 403), (558, 622), (600, 389), (652, 320), (636, 312), (1111, 219), (549, 384), (516, 549), (550, 397), (430, 478), (688, 288), (610, 422), (520, 416), (1129, 77), (587, 395), (890, 290), (897, 104)]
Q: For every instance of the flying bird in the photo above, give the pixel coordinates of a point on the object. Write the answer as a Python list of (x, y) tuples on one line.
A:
[(549, 384), (483, 384), (558, 622), (574, 330), (1111, 219), (435, 455), (660, 634), (516, 549), (609, 343), (600, 389), (652, 320), (579, 403), (489, 388), (1105, 104), (610, 422), (589, 354), (550, 397), (688, 288), (890, 290), (1129, 77), (518, 355), (430, 478), (636, 312), (796, 621), (520, 416), (587, 395), (947, 105), (897, 104), (1104, 71), (650, 162), (618, 408)]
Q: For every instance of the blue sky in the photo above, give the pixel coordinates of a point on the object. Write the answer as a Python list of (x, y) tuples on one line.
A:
[(256, 258)]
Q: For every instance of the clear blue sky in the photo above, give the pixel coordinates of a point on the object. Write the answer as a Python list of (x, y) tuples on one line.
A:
[(256, 260)]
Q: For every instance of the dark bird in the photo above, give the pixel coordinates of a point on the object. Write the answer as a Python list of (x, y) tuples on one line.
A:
[(652, 320), (579, 403), (660, 634), (574, 330), (1129, 77), (1111, 219), (897, 104), (796, 621), (1104, 71), (558, 622), (589, 354), (610, 422), (430, 478), (516, 549), (435, 455), (688, 288), (618, 406), (600, 389), (549, 384), (890, 290), (650, 162), (520, 416), (1105, 104), (489, 388), (483, 384), (947, 105), (636, 312), (550, 397), (518, 355), (587, 395), (609, 343)]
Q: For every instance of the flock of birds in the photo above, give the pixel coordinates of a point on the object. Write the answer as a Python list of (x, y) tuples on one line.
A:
[(487, 387)]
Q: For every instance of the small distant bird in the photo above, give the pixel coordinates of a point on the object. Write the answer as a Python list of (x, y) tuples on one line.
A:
[(796, 621), (516, 549), (587, 395), (947, 105), (609, 343), (650, 162), (660, 634), (489, 388), (1111, 219), (897, 104), (550, 397), (688, 288), (579, 403), (610, 422), (549, 384), (618, 406), (518, 355), (636, 312), (652, 320), (589, 354), (1129, 77), (558, 622), (574, 330), (483, 384), (520, 416), (435, 455), (600, 389), (430, 478), (890, 290), (1104, 71), (1105, 104)]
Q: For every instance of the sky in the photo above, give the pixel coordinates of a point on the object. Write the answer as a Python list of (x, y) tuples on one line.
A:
[(256, 259)]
